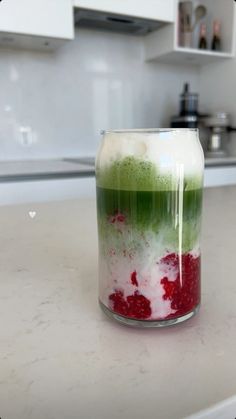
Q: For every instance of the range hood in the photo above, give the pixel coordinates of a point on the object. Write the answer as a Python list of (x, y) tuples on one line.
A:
[(116, 23)]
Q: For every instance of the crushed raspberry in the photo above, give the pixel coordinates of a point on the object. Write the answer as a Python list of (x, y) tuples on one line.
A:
[(117, 218), (133, 278), (119, 303), (139, 306), (135, 306), (120, 218), (184, 292), (171, 260), (169, 287)]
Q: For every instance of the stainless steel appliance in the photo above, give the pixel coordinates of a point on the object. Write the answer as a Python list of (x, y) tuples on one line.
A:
[(219, 127)]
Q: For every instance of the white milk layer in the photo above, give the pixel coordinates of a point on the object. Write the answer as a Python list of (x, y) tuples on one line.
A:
[(166, 149)]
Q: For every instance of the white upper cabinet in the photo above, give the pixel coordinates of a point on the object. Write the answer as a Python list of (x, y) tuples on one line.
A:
[(35, 23), (161, 10)]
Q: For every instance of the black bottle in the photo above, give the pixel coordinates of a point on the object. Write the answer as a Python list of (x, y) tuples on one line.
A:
[(202, 44), (216, 41)]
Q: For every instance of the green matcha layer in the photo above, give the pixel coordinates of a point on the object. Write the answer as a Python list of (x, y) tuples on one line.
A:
[(133, 174), (148, 201), (166, 213)]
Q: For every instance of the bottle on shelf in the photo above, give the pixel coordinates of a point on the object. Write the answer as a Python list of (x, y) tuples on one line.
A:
[(202, 44), (216, 39)]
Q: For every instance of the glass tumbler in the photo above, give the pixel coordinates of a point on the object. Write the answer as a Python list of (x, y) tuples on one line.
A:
[(149, 202)]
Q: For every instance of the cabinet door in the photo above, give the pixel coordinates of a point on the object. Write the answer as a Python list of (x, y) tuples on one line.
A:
[(47, 18), (162, 10), (219, 176)]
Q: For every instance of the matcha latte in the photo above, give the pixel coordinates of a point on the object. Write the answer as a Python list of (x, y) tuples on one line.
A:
[(149, 199)]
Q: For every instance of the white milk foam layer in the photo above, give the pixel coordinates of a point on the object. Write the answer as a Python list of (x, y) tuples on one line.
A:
[(165, 149)]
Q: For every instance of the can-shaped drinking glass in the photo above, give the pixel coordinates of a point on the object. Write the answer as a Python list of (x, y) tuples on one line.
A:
[(149, 203)]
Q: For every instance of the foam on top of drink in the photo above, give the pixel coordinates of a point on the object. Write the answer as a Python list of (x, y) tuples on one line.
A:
[(150, 160)]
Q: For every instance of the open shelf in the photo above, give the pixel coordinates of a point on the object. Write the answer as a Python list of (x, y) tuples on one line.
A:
[(193, 56), (162, 45)]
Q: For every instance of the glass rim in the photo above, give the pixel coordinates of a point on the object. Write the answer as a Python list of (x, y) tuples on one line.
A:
[(146, 130)]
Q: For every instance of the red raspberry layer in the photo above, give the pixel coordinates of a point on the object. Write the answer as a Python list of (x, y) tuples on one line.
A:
[(184, 292), (135, 306)]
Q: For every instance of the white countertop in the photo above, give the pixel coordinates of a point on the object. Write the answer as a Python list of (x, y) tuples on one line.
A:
[(60, 357)]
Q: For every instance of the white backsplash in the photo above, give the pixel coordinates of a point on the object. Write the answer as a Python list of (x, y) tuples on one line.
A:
[(55, 104)]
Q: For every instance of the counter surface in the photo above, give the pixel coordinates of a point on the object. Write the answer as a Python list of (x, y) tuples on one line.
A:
[(69, 168), (45, 169), (60, 357)]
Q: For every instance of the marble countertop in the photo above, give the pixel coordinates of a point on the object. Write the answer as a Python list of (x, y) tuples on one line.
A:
[(60, 357)]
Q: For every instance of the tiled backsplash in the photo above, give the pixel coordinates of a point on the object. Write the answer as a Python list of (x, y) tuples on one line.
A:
[(55, 104)]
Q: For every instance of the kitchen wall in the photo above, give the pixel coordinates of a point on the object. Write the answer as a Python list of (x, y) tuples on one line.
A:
[(55, 104)]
